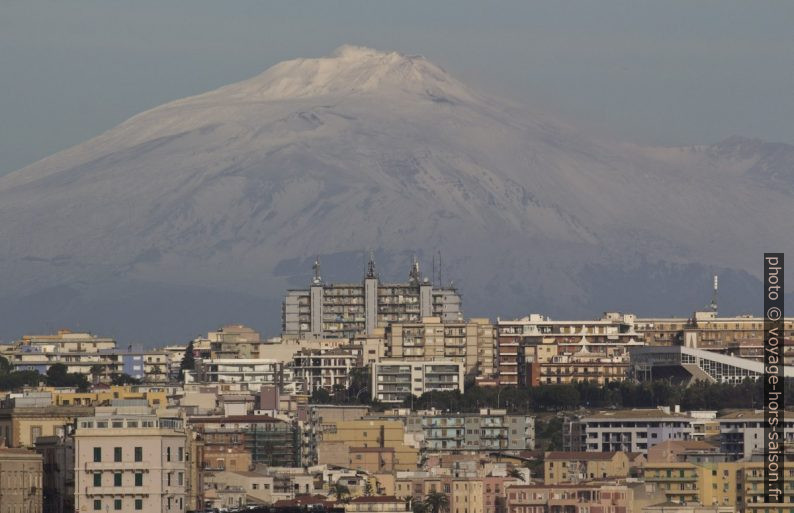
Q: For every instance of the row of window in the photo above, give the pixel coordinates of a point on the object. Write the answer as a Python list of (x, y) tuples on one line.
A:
[(118, 504), (138, 454), (117, 478)]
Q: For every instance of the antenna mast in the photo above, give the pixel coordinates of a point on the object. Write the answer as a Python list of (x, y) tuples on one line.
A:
[(713, 304)]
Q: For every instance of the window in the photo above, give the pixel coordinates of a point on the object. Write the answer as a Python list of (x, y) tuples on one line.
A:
[(169, 479), (168, 454), (117, 454), (181, 479), (117, 479), (117, 504), (139, 479), (97, 505), (35, 432), (97, 454), (139, 454), (138, 504), (97, 479), (181, 453)]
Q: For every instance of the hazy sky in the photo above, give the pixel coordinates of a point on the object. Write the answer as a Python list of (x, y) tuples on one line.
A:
[(671, 72)]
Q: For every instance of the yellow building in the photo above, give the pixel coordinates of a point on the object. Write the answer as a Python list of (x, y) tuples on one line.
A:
[(21, 425), (337, 440), (575, 467), (471, 343), (156, 399), (20, 481), (708, 484)]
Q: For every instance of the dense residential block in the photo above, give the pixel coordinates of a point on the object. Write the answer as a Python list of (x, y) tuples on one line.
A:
[(345, 310)]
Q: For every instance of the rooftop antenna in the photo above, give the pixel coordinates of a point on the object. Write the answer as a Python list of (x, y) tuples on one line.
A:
[(433, 272), (371, 266), (414, 276), (713, 304), (317, 280), (440, 283)]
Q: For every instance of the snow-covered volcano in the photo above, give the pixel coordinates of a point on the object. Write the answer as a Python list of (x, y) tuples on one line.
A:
[(204, 210)]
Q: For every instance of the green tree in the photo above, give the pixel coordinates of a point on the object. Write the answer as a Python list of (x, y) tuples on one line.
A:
[(320, 396), (5, 367), (418, 506), (120, 378), (340, 491), (96, 372), (437, 502), (514, 472), (188, 361), (58, 375)]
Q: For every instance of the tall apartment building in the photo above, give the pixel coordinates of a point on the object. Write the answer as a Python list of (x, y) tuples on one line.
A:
[(393, 381), (20, 481), (472, 343), (536, 350), (345, 310), (129, 459), (249, 374)]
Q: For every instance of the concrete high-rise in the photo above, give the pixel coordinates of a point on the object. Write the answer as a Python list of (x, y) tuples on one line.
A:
[(348, 309)]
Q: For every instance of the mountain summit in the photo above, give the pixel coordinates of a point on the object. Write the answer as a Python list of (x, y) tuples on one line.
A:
[(204, 210), (350, 70)]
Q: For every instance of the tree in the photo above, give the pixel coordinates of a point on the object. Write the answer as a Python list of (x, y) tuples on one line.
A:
[(418, 506), (320, 396), (514, 472), (120, 378), (340, 491), (368, 488), (96, 372), (188, 361), (437, 502), (5, 367), (58, 375)]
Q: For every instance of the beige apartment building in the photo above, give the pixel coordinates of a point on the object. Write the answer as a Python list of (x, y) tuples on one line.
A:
[(471, 343), (20, 481), (345, 438), (21, 425), (577, 467), (129, 459)]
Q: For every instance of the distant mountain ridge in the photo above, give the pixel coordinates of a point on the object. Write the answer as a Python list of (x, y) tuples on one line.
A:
[(204, 210)]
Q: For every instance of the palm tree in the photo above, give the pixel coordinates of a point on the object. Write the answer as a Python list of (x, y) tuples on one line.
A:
[(340, 491), (417, 506), (437, 502), (514, 472)]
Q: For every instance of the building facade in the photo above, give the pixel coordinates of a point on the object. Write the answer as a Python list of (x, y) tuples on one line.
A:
[(394, 381), (128, 459), (347, 310), (20, 481)]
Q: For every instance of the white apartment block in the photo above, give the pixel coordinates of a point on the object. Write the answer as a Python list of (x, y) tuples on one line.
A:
[(324, 368), (249, 373), (395, 380), (742, 433), (128, 460), (632, 430)]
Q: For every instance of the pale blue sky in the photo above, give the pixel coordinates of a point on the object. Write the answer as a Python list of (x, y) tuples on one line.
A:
[(670, 72)]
